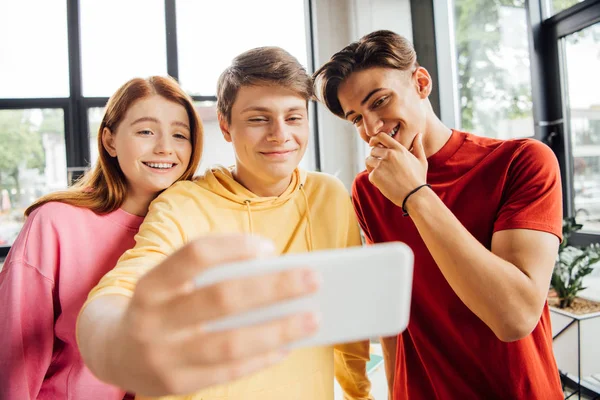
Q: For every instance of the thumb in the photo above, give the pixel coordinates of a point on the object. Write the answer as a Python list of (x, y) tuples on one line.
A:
[(417, 147)]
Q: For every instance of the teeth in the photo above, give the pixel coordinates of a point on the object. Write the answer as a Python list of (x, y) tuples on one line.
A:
[(160, 165), (393, 132)]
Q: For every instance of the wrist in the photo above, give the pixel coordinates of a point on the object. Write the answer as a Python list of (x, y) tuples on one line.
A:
[(416, 201)]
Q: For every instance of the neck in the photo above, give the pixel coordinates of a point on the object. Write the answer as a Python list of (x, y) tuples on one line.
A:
[(259, 187), (436, 134), (137, 203)]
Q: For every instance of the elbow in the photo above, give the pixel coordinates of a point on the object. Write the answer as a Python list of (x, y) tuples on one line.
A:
[(517, 327)]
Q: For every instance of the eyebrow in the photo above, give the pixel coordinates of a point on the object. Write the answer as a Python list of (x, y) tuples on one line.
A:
[(150, 119), (265, 109), (367, 97)]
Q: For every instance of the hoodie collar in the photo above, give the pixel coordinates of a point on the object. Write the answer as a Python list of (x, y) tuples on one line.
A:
[(220, 181)]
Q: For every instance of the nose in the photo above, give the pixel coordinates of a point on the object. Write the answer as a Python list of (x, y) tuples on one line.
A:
[(372, 124), (164, 144), (278, 132)]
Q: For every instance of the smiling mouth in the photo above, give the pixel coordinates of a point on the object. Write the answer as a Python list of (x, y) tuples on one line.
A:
[(277, 152), (159, 165), (394, 131)]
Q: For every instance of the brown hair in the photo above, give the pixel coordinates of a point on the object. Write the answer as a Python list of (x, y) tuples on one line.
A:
[(377, 49), (104, 187), (261, 66)]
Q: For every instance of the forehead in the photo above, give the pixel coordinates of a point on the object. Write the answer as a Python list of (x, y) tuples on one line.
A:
[(272, 97), (158, 107), (358, 85)]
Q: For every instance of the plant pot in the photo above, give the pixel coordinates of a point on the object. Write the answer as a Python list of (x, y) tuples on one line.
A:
[(575, 342)]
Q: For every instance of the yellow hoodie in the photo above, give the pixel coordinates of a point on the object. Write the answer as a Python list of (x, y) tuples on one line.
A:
[(313, 213)]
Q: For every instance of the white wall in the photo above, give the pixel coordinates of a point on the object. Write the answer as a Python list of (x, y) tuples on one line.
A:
[(338, 23)]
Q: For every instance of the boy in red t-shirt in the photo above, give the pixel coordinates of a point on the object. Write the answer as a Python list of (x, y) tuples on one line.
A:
[(482, 216)]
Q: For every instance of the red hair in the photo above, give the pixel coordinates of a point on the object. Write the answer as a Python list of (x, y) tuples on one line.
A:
[(104, 187)]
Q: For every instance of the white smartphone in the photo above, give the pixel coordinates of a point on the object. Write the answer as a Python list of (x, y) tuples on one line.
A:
[(365, 292)]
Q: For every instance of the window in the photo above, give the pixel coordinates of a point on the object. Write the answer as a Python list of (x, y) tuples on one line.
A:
[(228, 33), (33, 49), (552, 7), (32, 163), (121, 40), (581, 62), (494, 84), (53, 88)]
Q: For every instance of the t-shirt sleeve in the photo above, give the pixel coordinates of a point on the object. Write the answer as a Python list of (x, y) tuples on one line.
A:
[(161, 234), (27, 308), (532, 195), (356, 202)]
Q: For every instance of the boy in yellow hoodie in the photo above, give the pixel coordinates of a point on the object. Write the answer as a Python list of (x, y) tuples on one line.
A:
[(262, 108)]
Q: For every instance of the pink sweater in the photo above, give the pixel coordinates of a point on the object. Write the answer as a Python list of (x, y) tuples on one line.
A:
[(59, 256)]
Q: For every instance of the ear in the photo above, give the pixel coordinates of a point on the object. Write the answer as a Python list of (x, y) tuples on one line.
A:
[(108, 141), (423, 82), (224, 125)]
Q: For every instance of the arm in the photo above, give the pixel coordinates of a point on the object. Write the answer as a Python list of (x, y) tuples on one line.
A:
[(350, 359), (27, 314), (28, 330), (141, 328), (520, 263)]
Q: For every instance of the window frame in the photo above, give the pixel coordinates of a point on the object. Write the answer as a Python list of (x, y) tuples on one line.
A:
[(546, 75), (76, 106), (548, 89)]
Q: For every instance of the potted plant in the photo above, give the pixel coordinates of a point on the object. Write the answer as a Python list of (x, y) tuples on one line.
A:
[(575, 320)]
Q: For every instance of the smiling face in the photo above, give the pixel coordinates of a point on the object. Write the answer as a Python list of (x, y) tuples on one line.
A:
[(152, 144), (386, 100), (269, 131)]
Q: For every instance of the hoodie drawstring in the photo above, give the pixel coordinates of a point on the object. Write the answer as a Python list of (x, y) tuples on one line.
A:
[(309, 225), (247, 202)]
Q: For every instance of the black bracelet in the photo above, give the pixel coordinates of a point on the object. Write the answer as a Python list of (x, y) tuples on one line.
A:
[(404, 211)]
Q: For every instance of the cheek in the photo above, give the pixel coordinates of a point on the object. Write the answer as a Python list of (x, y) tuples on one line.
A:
[(184, 152), (363, 135)]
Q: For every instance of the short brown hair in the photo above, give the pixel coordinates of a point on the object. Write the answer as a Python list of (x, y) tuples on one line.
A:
[(377, 49), (261, 66)]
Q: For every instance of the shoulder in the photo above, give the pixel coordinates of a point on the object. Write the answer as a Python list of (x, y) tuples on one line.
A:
[(177, 197), (362, 184), (532, 155), (57, 212), (325, 182)]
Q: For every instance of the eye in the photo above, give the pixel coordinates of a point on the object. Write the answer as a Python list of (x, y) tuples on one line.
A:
[(180, 136), (145, 132), (357, 120), (257, 119), (295, 118), (379, 102)]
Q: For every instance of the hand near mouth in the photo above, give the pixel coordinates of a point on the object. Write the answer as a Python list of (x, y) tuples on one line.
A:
[(394, 169)]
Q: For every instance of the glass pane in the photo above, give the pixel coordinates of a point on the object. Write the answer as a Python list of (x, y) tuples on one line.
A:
[(216, 149), (493, 68), (552, 7), (581, 64), (94, 119), (254, 23), (34, 49), (32, 163), (121, 40)]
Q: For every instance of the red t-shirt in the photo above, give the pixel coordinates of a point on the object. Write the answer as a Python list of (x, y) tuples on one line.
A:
[(447, 352)]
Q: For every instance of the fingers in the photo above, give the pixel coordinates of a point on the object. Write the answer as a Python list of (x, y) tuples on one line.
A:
[(236, 296), (372, 163), (222, 347), (385, 140), (380, 152), (175, 274)]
